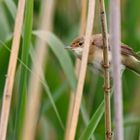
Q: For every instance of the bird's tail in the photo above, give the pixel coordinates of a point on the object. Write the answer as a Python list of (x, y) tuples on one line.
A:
[(133, 63)]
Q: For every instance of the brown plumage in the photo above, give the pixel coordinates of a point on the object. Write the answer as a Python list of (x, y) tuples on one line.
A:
[(129, 58)]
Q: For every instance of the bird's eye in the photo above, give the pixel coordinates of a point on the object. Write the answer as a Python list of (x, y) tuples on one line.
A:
[(80, 43)]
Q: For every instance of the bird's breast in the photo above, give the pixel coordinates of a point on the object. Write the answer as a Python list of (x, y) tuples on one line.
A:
[(96, 59)]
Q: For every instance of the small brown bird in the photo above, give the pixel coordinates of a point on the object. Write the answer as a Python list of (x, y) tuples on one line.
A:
[(129, 58)]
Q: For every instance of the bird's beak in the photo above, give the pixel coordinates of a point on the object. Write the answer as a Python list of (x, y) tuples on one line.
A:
[(68, 47)]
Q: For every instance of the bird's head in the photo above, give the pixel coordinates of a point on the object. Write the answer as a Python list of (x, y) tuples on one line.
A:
[(77, 46)]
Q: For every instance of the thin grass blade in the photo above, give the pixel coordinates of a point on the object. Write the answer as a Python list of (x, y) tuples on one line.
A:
[(93, 123)]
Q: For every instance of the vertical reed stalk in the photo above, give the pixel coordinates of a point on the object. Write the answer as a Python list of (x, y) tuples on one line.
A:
[(11, 70), (78, 63), (83, 17), (34, 90), (106, 71), (116, 64), (22, 90), (78, 96)]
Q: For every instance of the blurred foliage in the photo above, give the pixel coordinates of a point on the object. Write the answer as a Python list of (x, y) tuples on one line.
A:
[(66, 28)]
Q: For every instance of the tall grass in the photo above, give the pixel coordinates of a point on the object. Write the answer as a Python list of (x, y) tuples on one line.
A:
[(34, 99), (77, 65), (116, 65), (58, 78), (82, 73), (23, 86), (106, 71), (11, 71)]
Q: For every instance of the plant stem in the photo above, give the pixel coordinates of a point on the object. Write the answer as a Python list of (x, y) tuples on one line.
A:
[(35, 87), (77, 66), (11, 70), (116, 65), (106, 71), (82, 73), (22, 94)]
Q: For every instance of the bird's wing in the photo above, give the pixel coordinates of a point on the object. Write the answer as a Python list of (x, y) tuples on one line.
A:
[(125, 50)]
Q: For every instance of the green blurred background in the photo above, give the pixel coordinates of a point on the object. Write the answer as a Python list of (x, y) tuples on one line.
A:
[(66, 28)]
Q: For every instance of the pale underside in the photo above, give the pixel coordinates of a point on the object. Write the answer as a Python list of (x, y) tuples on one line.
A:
[(97, 60)]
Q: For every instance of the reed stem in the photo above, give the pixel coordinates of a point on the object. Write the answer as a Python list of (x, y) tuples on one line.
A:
[(35, 85), (106, 71), (7, 95), (115, 34), (82, 73), (77, 66)]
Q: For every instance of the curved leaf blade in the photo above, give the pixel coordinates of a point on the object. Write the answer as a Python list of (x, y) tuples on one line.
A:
[(58, 49)]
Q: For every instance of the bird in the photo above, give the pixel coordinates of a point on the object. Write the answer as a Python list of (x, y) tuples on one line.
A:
[(129, 59)]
